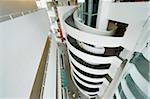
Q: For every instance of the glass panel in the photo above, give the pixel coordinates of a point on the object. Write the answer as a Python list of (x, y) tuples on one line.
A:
[(86, 5), (95, 6), (121, 92), (142, 64), (85, 18), (64, 81), (93, 23), (134, 88)]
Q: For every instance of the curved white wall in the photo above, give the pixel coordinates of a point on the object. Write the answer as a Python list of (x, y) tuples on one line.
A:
[(93, 39), (22, 43), (91, 58), (140, 81), (83, 71), (96, 50), (89, 29), (92, 71)]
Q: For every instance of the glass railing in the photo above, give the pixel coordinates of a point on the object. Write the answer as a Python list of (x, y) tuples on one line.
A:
[(121, 92), (136, 91), (142, 64)]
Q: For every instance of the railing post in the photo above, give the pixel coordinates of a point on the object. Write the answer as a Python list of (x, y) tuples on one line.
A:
[(11, 17)]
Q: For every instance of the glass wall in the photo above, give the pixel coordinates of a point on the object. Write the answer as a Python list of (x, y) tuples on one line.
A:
[(87, 12), (137, 79)]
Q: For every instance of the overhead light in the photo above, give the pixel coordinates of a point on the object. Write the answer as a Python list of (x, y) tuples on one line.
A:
[(81, 1)]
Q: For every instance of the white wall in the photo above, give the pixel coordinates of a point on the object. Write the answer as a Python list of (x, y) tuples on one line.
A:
[(103, 11), (127, 12), (12, 6), (50, 83), (144, 39), (22, 43), (135, 12), (63, 13)]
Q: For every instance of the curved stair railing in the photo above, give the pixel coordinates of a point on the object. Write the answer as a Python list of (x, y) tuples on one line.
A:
[(12, 16), (93, 56), (89, 29)]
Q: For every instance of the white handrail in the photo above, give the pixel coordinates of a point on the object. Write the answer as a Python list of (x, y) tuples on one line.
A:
[(10, 16), (89, 29)]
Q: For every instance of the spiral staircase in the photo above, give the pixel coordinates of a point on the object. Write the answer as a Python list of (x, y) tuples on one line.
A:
[(94, 57)]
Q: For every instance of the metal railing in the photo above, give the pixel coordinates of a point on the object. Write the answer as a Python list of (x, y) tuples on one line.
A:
[(12, 16)]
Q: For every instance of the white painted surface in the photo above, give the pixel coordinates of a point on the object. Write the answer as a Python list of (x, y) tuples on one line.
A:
[(90, 29), (90, 58), (87, 69), (140, 81), (118, 95), (22, 44), (85, 84), (93, 38), (83, 91), (50, 83), (111, 89), (96, 50), (85, 77), (126, 90), (115, 64), (64, 12), (103, 87), (144, 39), (103, 12), (133, 12), (135, 15), (131, 36)]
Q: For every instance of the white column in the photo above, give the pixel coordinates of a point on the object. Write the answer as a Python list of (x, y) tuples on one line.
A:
[(99, 13), (103, 12), (90, 7)]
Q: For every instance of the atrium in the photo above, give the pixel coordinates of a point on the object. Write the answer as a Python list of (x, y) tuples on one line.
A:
[(74, 49)]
